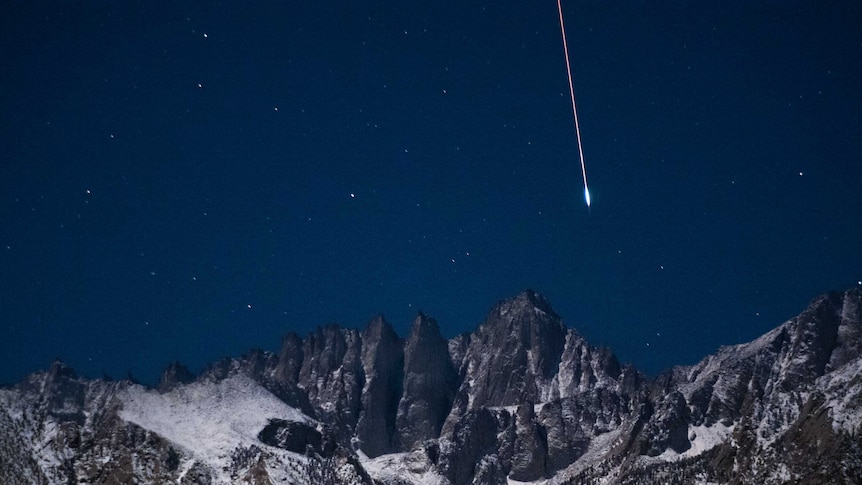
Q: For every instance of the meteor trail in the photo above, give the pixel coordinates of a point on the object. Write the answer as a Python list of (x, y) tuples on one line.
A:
[(574, 108)]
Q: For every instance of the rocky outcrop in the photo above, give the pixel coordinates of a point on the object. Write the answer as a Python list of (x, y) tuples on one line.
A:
[(529, 446), (472, 442), (667, 428), (297, 437)]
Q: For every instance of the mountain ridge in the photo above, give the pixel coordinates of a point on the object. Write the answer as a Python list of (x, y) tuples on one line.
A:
[(522, 397)]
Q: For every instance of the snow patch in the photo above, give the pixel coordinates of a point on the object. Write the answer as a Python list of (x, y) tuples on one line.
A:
[(702, 438), (413, 467), (209, 420)]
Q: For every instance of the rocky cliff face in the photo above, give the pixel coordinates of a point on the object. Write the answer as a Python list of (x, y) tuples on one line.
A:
[(513, 356), (752, 400), (383, 367), (428, 387), (522, 359), (522, 398)]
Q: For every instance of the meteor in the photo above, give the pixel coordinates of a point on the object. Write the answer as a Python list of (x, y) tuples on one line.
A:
[(574, 107)]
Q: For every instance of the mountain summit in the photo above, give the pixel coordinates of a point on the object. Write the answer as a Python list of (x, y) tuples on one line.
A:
[(523, 398)]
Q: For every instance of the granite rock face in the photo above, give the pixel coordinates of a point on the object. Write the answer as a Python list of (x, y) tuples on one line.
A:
[(522, 358), (383, 367), (429, 384), (514, 355)]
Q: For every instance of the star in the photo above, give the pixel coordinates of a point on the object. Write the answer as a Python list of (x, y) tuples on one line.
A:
[(473, 170)]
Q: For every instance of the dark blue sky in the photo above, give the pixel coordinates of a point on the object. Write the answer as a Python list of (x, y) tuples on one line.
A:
[(187, 180)]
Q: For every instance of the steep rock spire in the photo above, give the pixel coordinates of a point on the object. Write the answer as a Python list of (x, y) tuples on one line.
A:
[(383, 363), (429, 384)]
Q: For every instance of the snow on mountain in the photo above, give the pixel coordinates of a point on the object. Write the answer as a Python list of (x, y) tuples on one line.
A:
[(844, 388), (702, 438), (410, 467), (522, 400), (211, 420)]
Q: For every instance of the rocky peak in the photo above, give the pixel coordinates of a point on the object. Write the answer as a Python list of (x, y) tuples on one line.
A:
[(289, 359), (514, 353), (175, 374), (827, 333), (429, 384), (824, 337), (382, 363), (424, 328), (332, 375), (527, 300), (324, 351), (62, 393), (256, 364), (755, 378), (377, 331), (60, 370)]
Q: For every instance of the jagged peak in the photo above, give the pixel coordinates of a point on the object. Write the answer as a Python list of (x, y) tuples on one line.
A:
[(329, 334), (805, 347), (379, 327), (828, 302), (851, 309), (845, 305), (291, 337), (61, 369), (527, 300), (378, 319), (175, 374), (423, 325), (329, 328), (422, 317)]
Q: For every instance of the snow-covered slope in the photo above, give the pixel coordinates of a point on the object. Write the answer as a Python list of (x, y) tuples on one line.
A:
[(56, 428), (212, 422)]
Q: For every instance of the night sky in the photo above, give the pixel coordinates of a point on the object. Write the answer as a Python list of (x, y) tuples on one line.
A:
[(188, 180)]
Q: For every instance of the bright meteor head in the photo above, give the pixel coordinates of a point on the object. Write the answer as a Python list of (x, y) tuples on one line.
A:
[(587, 195)]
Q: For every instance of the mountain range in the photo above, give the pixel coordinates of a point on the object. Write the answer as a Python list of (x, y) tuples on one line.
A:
[(521, 400)]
